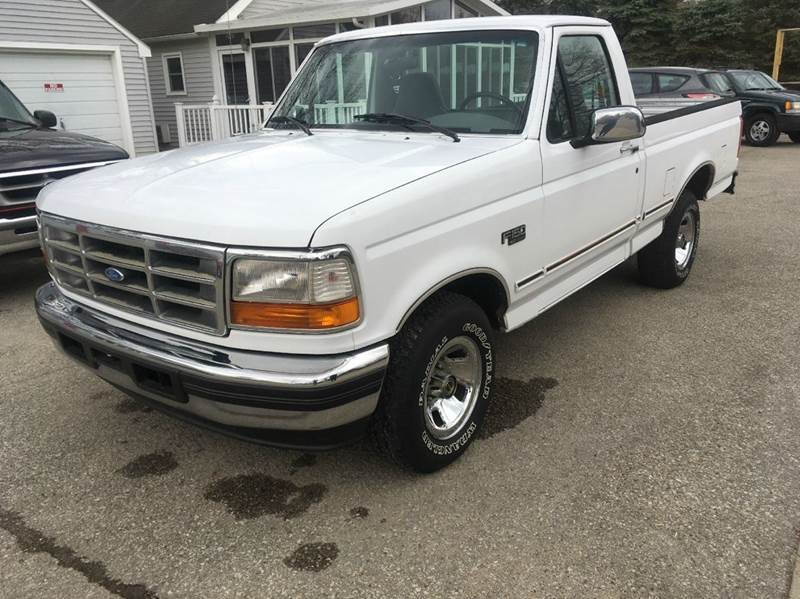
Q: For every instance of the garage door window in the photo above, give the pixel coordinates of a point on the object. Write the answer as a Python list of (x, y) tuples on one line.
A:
[(173, 74)]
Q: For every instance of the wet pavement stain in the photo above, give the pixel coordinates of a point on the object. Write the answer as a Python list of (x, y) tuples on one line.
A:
[(359, 512), (31, 540), (304, 461), (513, 402), (129, 405), (253, 495), (150, 464), (97, 396), (312, 557)]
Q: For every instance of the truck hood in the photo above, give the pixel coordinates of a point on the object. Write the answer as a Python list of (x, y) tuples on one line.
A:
[(773, 95), (271, 189), (27, 149)]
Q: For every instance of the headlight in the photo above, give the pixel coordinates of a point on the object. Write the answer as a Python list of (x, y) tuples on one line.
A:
[(300, 294), (792, 106)]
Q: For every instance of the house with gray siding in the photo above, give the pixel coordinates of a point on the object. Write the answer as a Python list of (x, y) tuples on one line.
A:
[(245, 52), (72, 58)]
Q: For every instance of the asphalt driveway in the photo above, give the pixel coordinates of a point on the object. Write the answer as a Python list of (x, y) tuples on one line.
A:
[(643, 444)]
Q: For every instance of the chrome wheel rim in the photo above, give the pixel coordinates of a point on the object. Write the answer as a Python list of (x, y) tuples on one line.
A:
[(684, 244), (760, 130), (452, 387)]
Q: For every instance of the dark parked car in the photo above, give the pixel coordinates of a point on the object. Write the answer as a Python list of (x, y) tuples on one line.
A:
[(675, 82), (769, 109), (32, 154)]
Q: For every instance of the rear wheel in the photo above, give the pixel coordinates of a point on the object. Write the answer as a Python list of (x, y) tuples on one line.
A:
[(438, 384), (666, 262), (761, 130), (795, 137)]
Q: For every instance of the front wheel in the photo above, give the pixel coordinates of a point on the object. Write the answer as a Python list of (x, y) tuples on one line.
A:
[(761, 130), (795, 136), (438, 385), (667, 261)]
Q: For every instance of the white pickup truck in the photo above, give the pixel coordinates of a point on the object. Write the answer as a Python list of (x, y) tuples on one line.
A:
[(416, 189)]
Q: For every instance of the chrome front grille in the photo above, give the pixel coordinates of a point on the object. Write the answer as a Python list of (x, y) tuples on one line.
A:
[(166, 279), (23, 187)]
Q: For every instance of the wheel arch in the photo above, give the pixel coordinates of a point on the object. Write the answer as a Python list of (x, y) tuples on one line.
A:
[(485, 286), (751, 110), (700, 181)]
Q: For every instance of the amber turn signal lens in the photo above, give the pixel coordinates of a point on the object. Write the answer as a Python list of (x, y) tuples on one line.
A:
[(295, 316)]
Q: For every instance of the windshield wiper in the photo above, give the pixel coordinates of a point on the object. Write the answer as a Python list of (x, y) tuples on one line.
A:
[(297, 122), (19, 122), (402, 119)]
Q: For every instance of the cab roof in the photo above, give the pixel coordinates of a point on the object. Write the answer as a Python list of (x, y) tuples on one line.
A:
[(530, 22)]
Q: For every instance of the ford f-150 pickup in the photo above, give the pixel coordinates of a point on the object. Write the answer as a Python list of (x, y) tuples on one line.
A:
[(417, 189)]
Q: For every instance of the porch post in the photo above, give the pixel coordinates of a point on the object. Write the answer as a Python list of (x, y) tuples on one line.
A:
[(214, 118), (179, 118)]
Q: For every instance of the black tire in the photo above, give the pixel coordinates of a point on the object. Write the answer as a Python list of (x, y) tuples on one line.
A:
[(400, 426), (794, 136), (761, 130), (658, 263)]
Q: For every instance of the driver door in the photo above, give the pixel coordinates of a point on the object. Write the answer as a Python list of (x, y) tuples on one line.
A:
[(592, 193)]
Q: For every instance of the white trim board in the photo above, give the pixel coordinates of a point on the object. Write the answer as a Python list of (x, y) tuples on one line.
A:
[(234, 11), (315, 13), (114, 53), (144, 49)]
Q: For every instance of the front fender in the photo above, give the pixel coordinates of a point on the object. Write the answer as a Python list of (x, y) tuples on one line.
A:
[(414, 239)]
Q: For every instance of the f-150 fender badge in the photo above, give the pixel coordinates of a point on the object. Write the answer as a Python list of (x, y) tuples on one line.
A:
[(513, 236)]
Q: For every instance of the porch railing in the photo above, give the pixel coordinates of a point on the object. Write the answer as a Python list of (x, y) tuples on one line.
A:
[(331, 113), (198, 123)]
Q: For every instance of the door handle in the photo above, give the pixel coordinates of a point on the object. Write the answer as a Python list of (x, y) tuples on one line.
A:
[(628, 148)]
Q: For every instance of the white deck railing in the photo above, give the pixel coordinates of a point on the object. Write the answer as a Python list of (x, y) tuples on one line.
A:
[(198, 123), (332, 113)]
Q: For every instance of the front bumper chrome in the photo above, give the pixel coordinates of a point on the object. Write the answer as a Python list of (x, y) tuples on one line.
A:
[(285, 400), (18, 234)]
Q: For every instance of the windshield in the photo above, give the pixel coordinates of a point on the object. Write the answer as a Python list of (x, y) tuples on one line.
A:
[(12, 113), (466, 82), (718, 83), (754, 80)]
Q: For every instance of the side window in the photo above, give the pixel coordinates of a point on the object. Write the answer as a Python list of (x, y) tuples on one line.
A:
[(642, 83), (559, 123), (588, 79), (670, 83), (173, 73)]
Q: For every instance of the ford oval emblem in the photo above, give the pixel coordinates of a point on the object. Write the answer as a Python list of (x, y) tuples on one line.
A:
[(114, 275)]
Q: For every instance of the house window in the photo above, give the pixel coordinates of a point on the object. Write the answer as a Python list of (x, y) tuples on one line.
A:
[(437, 10), (229, 39), (173, 74), (269, 35), (314, 31), (407, 15), (273, 72), (301, 51)]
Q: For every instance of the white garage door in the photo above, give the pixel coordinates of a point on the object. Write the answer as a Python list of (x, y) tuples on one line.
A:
[(78, 88)]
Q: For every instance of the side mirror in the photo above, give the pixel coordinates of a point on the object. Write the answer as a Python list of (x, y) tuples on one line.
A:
[(612, 125), (46, 118)]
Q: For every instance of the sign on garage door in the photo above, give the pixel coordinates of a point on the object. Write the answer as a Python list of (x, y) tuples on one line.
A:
[(78, 88)]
